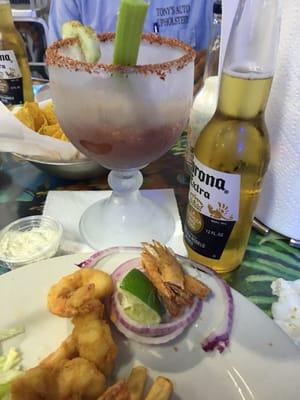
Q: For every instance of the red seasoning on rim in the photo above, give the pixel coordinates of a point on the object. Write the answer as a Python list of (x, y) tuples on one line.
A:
[(55, 58)]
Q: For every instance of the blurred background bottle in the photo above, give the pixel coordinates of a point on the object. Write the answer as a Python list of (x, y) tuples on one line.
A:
[(15, 77), (232, 152), (205, 101)]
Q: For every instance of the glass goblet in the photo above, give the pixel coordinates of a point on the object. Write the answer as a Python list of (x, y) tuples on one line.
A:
[(124, 118)]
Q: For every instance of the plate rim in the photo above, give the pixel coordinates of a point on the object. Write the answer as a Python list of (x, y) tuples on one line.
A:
[(238, 298)]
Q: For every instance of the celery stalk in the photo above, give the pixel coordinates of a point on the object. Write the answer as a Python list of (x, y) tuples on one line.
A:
[(131, 18)]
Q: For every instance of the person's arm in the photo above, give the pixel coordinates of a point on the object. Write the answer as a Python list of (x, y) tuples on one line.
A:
[(60, 12)]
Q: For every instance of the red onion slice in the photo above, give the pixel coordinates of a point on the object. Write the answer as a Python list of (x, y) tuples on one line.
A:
[(219, 338), (161, 329), (125, 267), (145, 339), (99, 255)]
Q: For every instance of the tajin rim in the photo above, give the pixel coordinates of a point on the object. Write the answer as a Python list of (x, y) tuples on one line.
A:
[(54, 58)]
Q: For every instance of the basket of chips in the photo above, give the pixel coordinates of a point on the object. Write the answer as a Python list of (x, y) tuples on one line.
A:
[(32, 132), (41, 118)]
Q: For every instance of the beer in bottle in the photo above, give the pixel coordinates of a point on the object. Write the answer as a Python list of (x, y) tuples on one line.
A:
[(232, 151), (15, 77)]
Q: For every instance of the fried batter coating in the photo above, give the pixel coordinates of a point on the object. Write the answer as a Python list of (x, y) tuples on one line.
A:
[(66, 351), (79, 292), (35, 384), (76, 379), (94, 341), (79, 379), (176, 288)]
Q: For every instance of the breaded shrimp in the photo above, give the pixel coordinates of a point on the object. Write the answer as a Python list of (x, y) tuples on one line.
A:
[(94, 341), (79, 292), (70, 379), (176, 288), (79, 379), (66, 351), (35, 384)]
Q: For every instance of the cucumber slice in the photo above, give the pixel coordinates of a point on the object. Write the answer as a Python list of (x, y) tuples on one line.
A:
[(70, 29), (89, 42), (75, 52)]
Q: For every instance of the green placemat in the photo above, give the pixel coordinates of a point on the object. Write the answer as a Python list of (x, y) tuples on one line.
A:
[(267, 258)]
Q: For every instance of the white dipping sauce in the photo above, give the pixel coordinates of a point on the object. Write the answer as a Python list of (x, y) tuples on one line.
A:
[(21, 245)]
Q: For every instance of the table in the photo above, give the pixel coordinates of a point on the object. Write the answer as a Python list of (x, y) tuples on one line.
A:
[(23, 190)]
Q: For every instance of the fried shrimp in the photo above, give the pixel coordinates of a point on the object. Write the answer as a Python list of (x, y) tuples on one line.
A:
[(94, 341), (66, 351), (79, 292), (35, 384), (76, 379), (79, 379), (176, 288)]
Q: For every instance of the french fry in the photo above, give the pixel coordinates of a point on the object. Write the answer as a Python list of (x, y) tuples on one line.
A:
[(136, 382), (118, 391), (161, 389)]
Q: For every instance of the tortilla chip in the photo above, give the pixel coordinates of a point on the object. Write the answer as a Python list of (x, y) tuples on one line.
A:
[(45, 124), (37, 114), (24, 115), (49, 130), (49, 114), (63, 136), (41, 120), (54, 131), (59, 134)]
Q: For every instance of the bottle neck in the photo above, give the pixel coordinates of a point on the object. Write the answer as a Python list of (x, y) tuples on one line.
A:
[(243, 97), (250, 57), (6, 18), (212, 61)]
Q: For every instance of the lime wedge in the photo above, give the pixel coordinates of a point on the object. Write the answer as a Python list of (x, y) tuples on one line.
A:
[(139, 298)]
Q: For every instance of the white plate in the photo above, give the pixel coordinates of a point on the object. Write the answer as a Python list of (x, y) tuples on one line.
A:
[(261, 363)]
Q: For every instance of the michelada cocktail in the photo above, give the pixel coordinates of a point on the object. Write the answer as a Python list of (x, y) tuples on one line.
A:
[(124, 117)]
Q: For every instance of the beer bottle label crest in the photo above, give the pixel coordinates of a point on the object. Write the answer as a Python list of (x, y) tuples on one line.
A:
[(213, 209), (11, 83)]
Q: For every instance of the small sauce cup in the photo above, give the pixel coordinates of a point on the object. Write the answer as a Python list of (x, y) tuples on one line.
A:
[(28, 240)]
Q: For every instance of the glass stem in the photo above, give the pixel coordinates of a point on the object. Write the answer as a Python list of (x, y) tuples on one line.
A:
[(125, 183)]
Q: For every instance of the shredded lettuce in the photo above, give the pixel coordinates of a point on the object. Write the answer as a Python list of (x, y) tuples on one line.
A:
[(9, 370), (4, 391), (10, 361)]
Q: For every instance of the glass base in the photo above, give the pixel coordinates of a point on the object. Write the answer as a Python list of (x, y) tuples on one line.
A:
[(119, 221)]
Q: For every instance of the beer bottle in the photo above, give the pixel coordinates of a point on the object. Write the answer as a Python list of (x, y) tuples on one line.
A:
[(232, 151), (15, 77), (205, 101)]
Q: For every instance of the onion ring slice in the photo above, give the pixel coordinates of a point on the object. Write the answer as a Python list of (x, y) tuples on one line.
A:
[(218, 338)]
